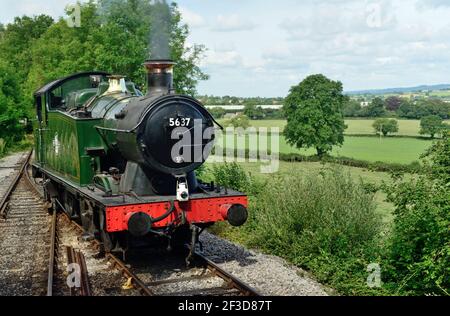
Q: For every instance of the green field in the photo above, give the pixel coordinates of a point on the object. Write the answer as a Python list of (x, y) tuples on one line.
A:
[(372, 149), (393, 150), (355, 127)]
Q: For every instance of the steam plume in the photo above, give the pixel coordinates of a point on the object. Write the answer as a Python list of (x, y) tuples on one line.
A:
[(161, 19)]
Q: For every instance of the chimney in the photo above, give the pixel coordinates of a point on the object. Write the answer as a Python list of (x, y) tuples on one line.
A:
[(159, 76)]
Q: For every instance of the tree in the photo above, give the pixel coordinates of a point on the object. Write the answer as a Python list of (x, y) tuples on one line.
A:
[(385, 126), (393, 103), (11, 110), (407, 110), (314, 111), (17, 39), (376, 108), (352, 108), (218, 112), (239, 121), (254, 112), (438, 107), (431, 125), (16, 42)]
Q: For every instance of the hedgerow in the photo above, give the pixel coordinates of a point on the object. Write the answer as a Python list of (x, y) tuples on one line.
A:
[(325, 222)]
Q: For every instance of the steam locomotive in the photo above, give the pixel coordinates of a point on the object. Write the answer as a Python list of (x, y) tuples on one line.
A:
[(123, 164)]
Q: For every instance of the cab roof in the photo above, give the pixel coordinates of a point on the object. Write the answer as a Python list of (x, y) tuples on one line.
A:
[(54, 84)]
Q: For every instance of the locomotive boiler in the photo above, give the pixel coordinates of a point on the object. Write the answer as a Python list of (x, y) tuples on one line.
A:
[(124, 164)]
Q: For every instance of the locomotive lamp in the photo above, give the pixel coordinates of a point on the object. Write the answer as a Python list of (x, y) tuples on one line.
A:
[(116, 84)]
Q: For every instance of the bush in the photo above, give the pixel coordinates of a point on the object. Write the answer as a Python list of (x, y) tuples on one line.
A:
[(325, 222), (234, 177), (420, 244), (239, 121), (419, 251)]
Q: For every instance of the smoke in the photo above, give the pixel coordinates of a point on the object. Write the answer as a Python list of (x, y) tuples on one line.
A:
[(161, 19), (155, 15)]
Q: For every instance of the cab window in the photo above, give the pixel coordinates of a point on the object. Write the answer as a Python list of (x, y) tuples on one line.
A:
[(57, 97)]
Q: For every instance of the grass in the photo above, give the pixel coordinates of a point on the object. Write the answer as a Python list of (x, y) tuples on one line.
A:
[(8, 148), (372, 149), (406, 127), (355, 127)]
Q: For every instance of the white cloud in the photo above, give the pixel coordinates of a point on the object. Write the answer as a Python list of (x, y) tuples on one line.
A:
[(433, 4), (191, 18), (233, 23), (11, 9), (224, 59)]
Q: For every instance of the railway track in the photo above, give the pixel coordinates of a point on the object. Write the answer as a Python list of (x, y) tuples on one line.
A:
[(24, 236), (9, 186), (158, 273)]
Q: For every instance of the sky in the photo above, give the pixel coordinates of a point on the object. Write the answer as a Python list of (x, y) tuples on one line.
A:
[(263, 47)]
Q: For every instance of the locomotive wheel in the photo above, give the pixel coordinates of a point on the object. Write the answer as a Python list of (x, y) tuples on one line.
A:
[(108, 243), (104, 236)]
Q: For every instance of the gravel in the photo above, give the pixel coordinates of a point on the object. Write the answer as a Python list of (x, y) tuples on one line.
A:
[(7, 170), (103, 278), (24, 240), (269, 275)]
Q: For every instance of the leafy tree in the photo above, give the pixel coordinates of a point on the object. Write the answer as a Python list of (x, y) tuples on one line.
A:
[(406, 110), (218, 112), (385, 126), (352, 108), (17, 39), (376, 108), (239, 121), (437, 107), (423, 108), (254, 112), (393, 103), (314, 111), (11, 111), (431, 125)]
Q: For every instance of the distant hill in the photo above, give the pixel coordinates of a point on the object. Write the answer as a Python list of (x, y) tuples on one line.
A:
[(401, 90)]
